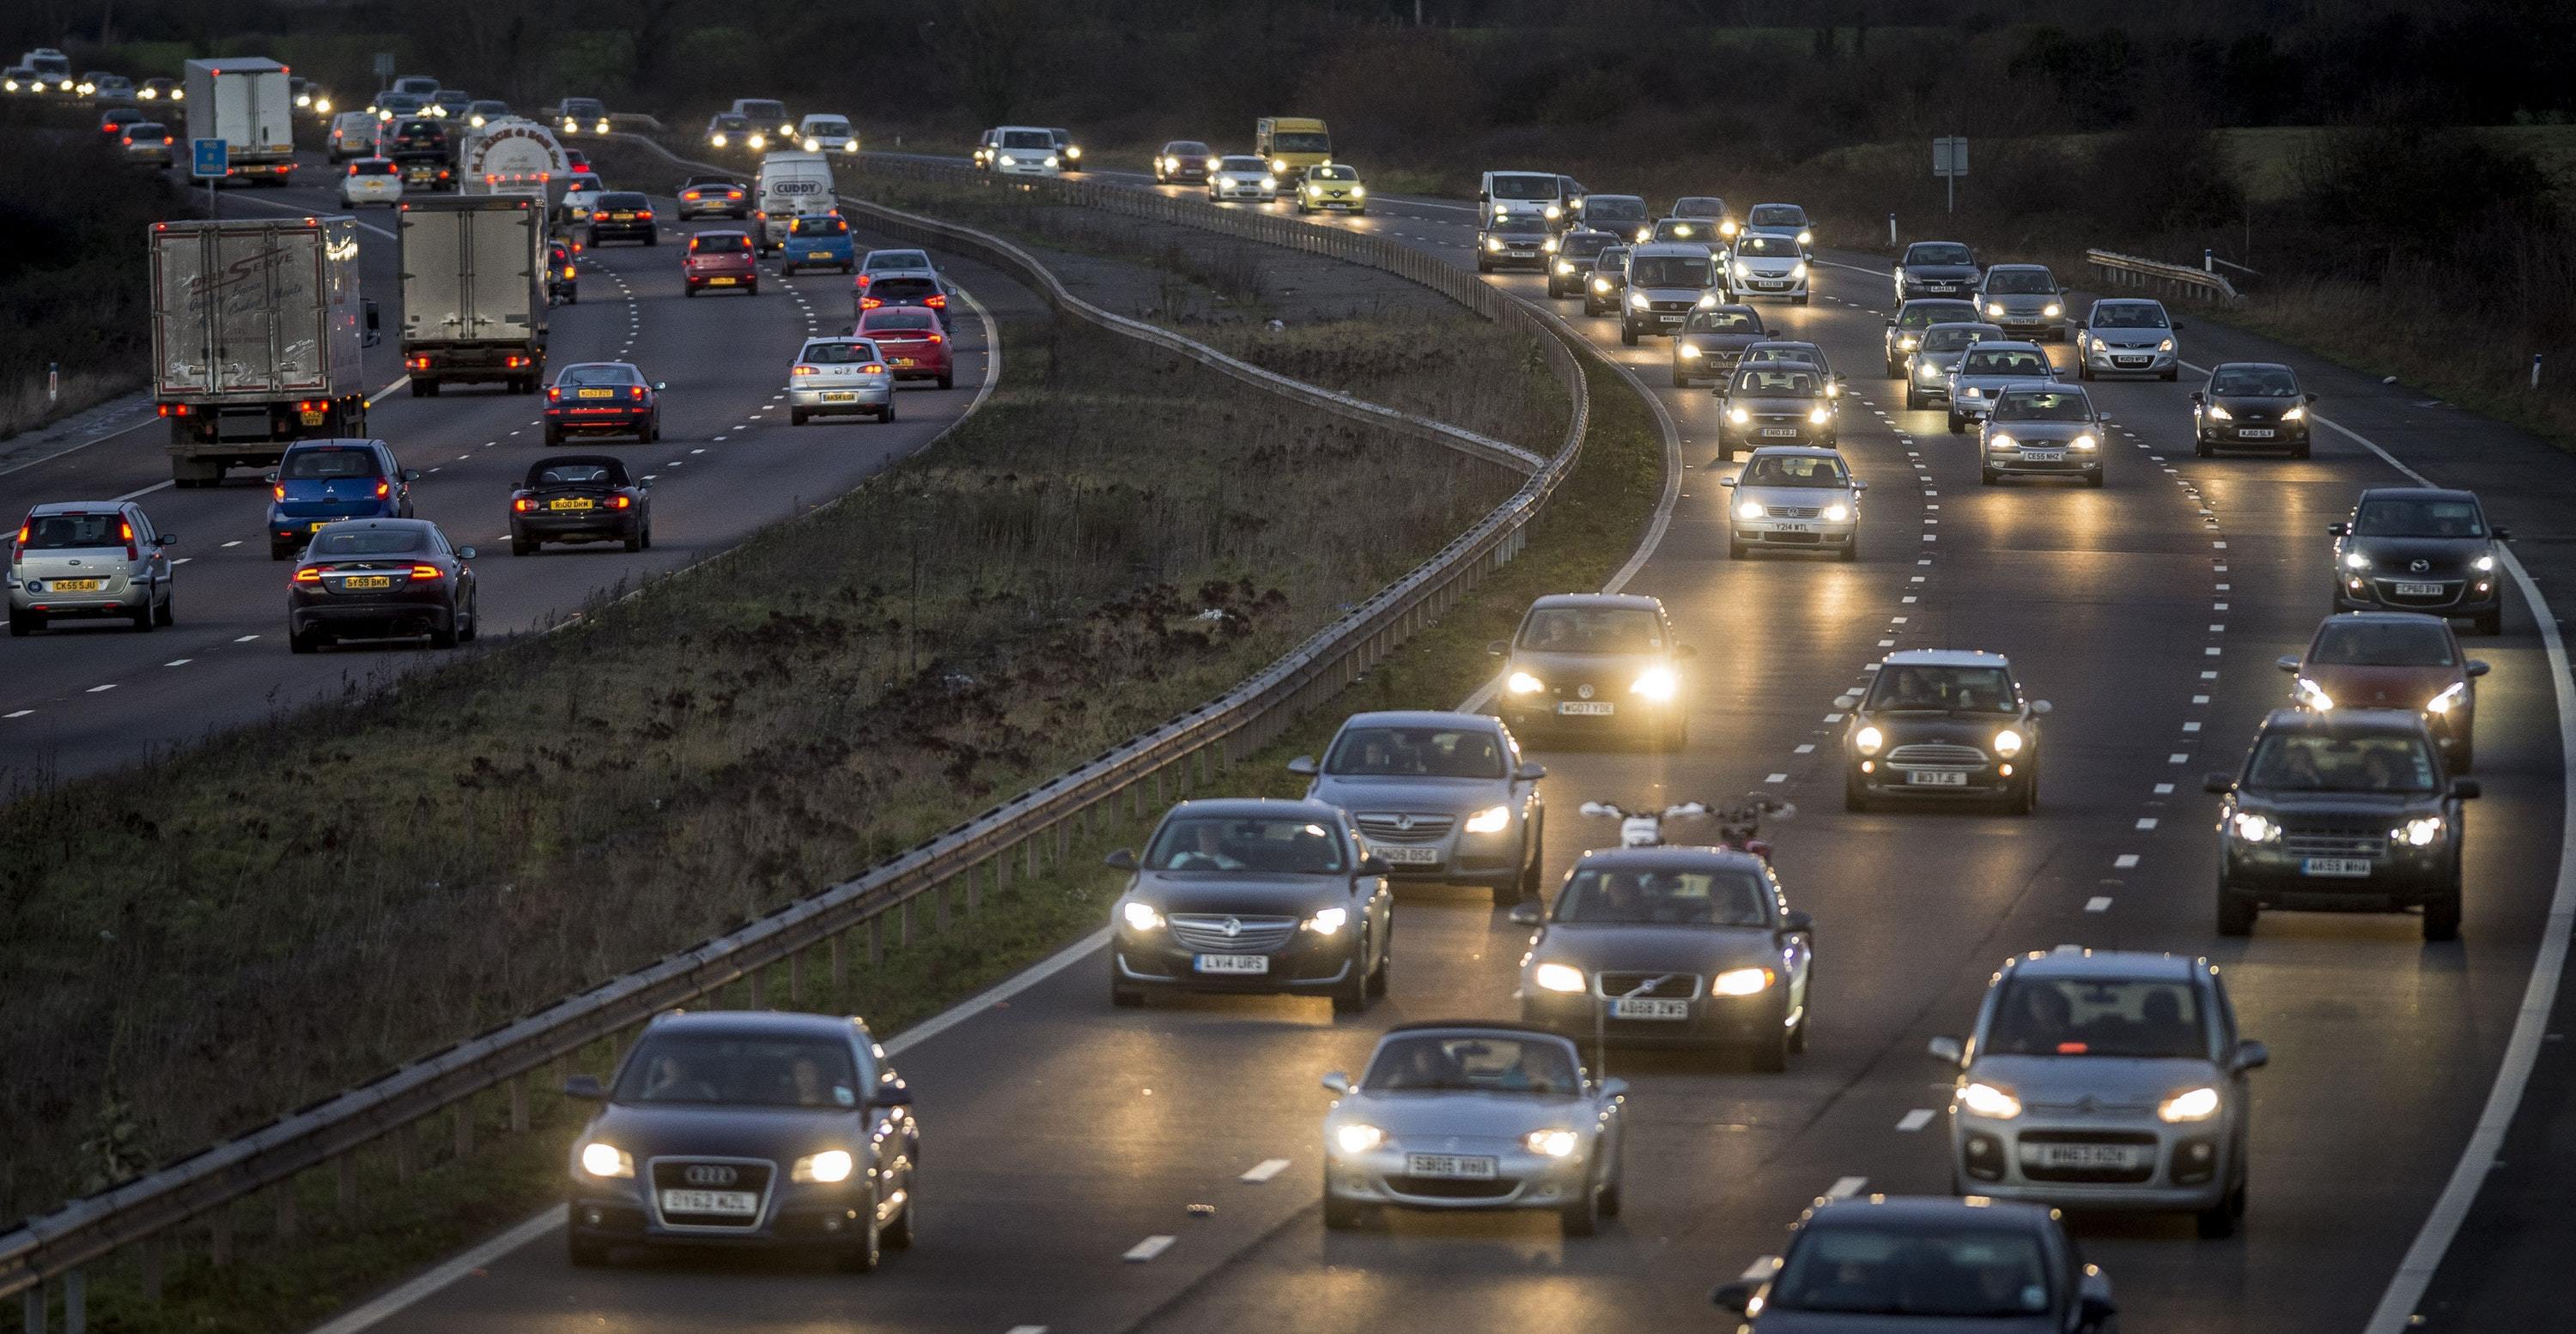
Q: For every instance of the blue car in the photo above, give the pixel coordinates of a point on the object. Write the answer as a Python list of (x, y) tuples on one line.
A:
[(818, 243), (324, 481)]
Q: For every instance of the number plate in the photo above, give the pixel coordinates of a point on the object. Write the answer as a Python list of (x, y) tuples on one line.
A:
[(2134, 361), (1251, 964), (2348, 868), (573, 504), (1451, 1166), (1936, 778), (732, 1203), (621, 217), (598, 393), (818, 254), (2112, 1157), (2254, 433), (318, 525), (77, 585), (1649, 1007), (1793, 527), (1780, 431), (903, 361), (840, 396), (719, 282), (2419, 590), (1404, 856), (368, 581), (312, 416), (1586, 709), (2043, 456)]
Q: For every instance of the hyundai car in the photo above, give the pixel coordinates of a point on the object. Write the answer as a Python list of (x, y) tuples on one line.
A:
[(319, 482), (2250, 405), (1943, 723), (2128, 336), (2392, 660), (2421, 549), (839, 376), (380, 579), (1894, 1264), (1936, 350), (2023, 298), (603, 398), (2041, 431), (1793, 498), (1437, 796), (1905, 327), (580, 498), (77, 560), (1589, 664), (1764, 265), (1981, 375), (1935, 269)]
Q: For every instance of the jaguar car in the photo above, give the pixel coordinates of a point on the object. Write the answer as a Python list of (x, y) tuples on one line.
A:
[(1943, 723), (1437, 796)]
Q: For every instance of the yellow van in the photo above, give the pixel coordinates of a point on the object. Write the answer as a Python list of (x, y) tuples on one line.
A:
[(1291, 144)]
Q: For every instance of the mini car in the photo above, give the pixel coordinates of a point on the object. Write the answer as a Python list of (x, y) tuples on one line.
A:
[(1951, 724)]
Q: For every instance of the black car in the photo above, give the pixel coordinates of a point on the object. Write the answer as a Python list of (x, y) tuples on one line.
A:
[(1625, 215), (563, 275), (2250, 405), (2420, 549), (424, 151), (580, 498), (1943, 723), (623, 215), (1184, 160), (1712, 341), (1244, 895), (746, 1128), (381, 579), (1570, 259), (1936, 269), (2348, 809), (1673, 947), (1885, 1264), (1608, 284), (1905, 328)]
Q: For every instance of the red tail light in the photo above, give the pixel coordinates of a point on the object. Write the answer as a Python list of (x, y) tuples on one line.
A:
[(869, 303), (427, 572), (862, 283), (279, 490), (522, 505), (353, 168), (937, 303), (384, 488), (129, 141), (309, 574), (417, 363), (937, 339), (621, 502), (553, 393), (873, 368), (635, 392), (645, 215)]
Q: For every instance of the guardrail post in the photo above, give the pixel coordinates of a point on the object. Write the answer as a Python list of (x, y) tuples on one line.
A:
[(32, 1307), (903, 925), (219, 1239), (150, 1248), (796, 979), (1032, 846), (519, 1105), (344, 1176), (759, 987), (465, 1126), (402, 1154), (76, 1303), (840, 961), (286, 1208), (876, 940)]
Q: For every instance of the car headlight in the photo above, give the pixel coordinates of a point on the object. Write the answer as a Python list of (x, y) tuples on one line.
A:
[(1994, 310), (1140, 916), (1818, 416), (1798, 270), (827, 1167), (1522, 683), (602, 127), (1501, 213), (1353, 1137), (1806, 238), (1743, 270), (1269, 182), (1738, 416), (1326, 921), (1548, 245), (2255, 827), (1837, 512), (1171, 164), (1689, 351), (1493, 243), (1073, 151), (607, 1161), (1007, 159), (1491, 820), (1656, 683), (1741, 981), (1708, 301), (2008, 743), (1551, 213), (1558, 977), (1359, 192), (1727, 228), (1564, 267), (1988, 1101), (1638, 300), (2315, 696), (1645, 234), (2085, 442), (2484, 563), (2198, 1104), (1971, 392), (813, 145), (1601, 284), (1907, 343), (2420, 833), (1867, 740), (2298, 414), (716, 140), (1924, 370), (1751, 509), (1999, 440), (2165, 346), (1553, 1143), (2218, 413), (2052, 310), (1279, 164), (324, 105), (2354, 560), (1053, 161)]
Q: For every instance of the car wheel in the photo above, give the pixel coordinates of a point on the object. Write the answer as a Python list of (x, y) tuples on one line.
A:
[(473, 622), (2083, 369), (1526, 886), (2490, 623), (886, 413), (420, 388), (305, 641), (1958, 424), (1771, 1054), (1851, 549), (1342, 1215), (554, 434), (1855, 796), (1680, 381), (2218, 1222), (1988, 476), (1627, 334), (2024, 797), (2464, 755), (898, 1234), (143, 618), (862, 1255), (947, 379), (1797, 301), (797, 417), (2442, 918), (1483, 267), (1674, 735), (444, 636), (653, 238), (2170, 375), (751, 289), (1806, 1015), (281, 550), (584, 1252), (2093, 479), (1736, 550), (1913, 400), (1614, 1187), (692, 290), (2202, 449), (1380, 976), (1892, 370), (1125, 998), (25, 623), (168, 614), (2236, 913), (520, 546), (648, 534), (1352, 997), (635, 540), (1582, 1218)]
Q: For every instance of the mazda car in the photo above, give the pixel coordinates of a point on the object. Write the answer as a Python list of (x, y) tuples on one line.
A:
[(1895, 1264), (1935, 351), (2041, 431), (580, 498), (1905, 327), (2128, 336), (1712, 341), (2250, 405), (1437, 796), (1785, 403), (381, 579), (714, 197), (603, 398), (2024, 299), (1594, 664), (1793, 498), (1943, 723), (2392, 660), (2421, 549), (1935, 268)]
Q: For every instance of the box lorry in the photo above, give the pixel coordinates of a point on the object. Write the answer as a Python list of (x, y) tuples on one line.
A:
[(793, 184), (1291, 144), (257, 331), (474, 291), (246, 103)]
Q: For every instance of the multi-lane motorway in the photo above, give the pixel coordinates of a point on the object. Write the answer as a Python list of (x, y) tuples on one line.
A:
[(1066, 1142)]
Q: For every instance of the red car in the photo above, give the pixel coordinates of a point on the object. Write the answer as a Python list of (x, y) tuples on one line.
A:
[(603, 398), (720, 259), (912, 342)]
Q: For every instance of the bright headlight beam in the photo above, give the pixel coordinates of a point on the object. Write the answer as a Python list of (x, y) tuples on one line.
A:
[(2198, 1104), (1327, 921), (1552, 1143), (1491, 820), (828, 1167), (1522, 683), (1656, 683), (1557, 977), (1989, 1101), (1356, 1138), (1867, 740), (606, 1160), (1140, 916), (1741, 981)]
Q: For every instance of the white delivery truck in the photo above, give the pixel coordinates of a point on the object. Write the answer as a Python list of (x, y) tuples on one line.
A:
[(512, 155), (246, 103), (257, 327), (474, 291), (793, 184)]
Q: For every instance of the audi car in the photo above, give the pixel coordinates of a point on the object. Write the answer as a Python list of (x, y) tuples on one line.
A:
[(2250, 405), (1894, 1264), (1590, 664), (603, 398), (834, 376), (1794, 498), (1944, 723), (1783, 403), (2041, 431), (1905, 327), (1437, 796), (748, 1128), (580, 498), (1982, 374), (380, 579), (2023, 298), (82, 559), (2421, 549), (1935, 269), (1935, 351), (2392, 660), (319, 482), (2131, 336), (1712, 341)]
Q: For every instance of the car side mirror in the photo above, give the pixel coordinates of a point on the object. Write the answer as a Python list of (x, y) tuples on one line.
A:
[(1735, 1295), (1614, 1088), (1337, 1083), (172, 539), (1530, 771), (2040, 708), (2288, 662), (411, 474), (2217, 785), (2466, 789), (2309, 397), (1796, 920), (1373, 865), (2504, 534), (1891, 321), (465, 553), (584, 1087), (2095, 1312), (1726, 481), (272, 477), (891, 1095), (2251, 1055), (1497, 648), (1858, 485), (1124, 859), (1684, 652), (2338, 530), (659, 386), (1303, 765), (2477, 666), (2198, 398), (2177, 326), (1948, 1049)]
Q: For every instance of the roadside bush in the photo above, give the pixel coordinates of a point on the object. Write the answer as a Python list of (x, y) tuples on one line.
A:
[(73, 276)]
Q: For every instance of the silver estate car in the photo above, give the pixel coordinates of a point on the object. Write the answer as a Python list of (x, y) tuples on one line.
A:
[(2102, 1079), (2128, 336), (1437, 796), (1795, 498), (1981, 376), (833, 376), (89, 559), (1475, 1114)]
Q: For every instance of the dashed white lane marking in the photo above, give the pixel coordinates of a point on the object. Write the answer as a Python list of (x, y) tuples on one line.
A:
[(2146, 822), (2098, 903), (1845, 1187), (1833, 717), (234, 543), (1915, 1120), (178, 662), (2164, 789), (245, 639), (1147, 1249), (93, 690), (181, 561), (1807, 748), (1263, 1171), (2177, 759), (2200, 699), (19, 714), (1775, 778), (1027, 1329), (2209, 676), (2124, 861), (2191, 727)]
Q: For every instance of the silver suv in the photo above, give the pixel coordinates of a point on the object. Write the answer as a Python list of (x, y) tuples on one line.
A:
[(1437, 796), (2105, 1080), (89, 558)]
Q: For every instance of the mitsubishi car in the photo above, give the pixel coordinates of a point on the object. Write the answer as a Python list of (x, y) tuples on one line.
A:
[(1943, 723), (1674, 947), (2250, 405), (1665, 284), (1437, 796), (1712, 341), (1475, 1114), (1595, 663), (2108, 1080), (2131, 336), (1764, 265), (75, 560), (2024, 299), (2420, 549), (1986, 370), (1935, 268), (1794, 498), (2041, 431), (1785, 403), (2392, 660), (1936, 350), (318, 482), (1905, 327), (1894, 1264)]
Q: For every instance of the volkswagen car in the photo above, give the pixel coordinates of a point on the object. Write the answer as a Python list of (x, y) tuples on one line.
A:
[(746, 1128), (1794, 498), (2041, 431), (580, 498), (1594, 664), (2024, 299), (2250, 405), (1893, 1264), (76, 560), (1712, 341), (2420, 549), (319, 482), (837, 376), (1905, 327), (1785, 403), (2392, 660), (1946, 723), (1437, 796), (1474, 1114), (1935, 351), (381, 579), (1986, 370), (1245, 895), (1935, 269), (1676, 947), (2128, 336)]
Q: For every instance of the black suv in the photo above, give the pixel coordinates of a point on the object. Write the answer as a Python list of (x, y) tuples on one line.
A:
[(2411, 548), (2352, 808)]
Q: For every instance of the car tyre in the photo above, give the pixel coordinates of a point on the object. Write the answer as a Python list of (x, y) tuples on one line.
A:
[(1988, 476), (862, 1255), (2202, 449), (2094, 480), (886, 413), (1958, 424), (797, 417), (1892, 371), (444, 637), (1352, 997), (143, 618), (1343, 1215), (1851, 549), (1125, 998), (1797, 301), (1855, 797), (281, 550), (554, 436), (1582, 1218), (1681, 381), (2171, 374), (520, 546), (25, 623), (1614, 1191), (2218, 1222), (1627, 334), (1913, 400), (584, 1252), (898, 1234), (2236, 913), (2442, 918), (948, 379), (306, 641), (2083, 369), (2025, 795), (168, 614), (1381, 976)]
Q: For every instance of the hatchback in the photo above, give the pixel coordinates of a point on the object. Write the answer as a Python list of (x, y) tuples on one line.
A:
[(720, 261), (148, 141), (913, 342), (371, 180), (821, 241), (323, 481), (80, 559), (833, 376)]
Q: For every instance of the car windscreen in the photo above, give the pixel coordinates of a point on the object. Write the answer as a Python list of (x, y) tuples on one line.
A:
[(896, 259), (2418, 518), (838, 129), (153, 129), (1301, 141), (1417, 752), (65, 532), (1768, 247), (2355, 643), (2133, 1017), (1592, 630), (1186, 148), (709, 185), (1794, 470), (1509, 185), (1669, 271), (595, 375), (316, 465), (2021, 282), (624, 199), (1286, 845), (2044, 405), (1894, 1271), (765, 111), (575, 474), (1724, 321), (720, 243), (1683, 229), (1699, 206), (1949, 340), (1937, 252), (739, 1071), (1583, 245), (1804, 354), (1953, 689), (1521, 225), (1925, 314), (2254, 381), (839, 354), (1664, 898), (1249, 165), (1780, 380), (1033, 139), (1472, 1063), (2128, 315), (900, 320), (1777, 215), (374, 166), (368, 542), (2321, 762), (818, 227), (732, 121), (1613, 260), (1329, 172), (1614, 208), (903, 289), (584, 106), (2005, 361)]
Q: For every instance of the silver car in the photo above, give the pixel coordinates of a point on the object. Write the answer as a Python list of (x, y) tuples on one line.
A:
[(2105, 1080), (1242, 176), (1473, 1114), (839, 375), (1437, 796), (2024, 299), (94, 558), (1783, 220), (2041, 430), (1763, 265), (1936, 350), (1794, 498), (2128, 336), (1978, 378)]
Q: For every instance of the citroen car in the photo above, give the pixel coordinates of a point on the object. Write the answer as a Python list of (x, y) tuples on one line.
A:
[(380, 579), (1905, 327), (836, 376), (2420, 549), (1571, 258), (623, 215), (1474, 1114), (1593, 663), (2105, 1080), (713, 197), (1943, 723), (1517, 240), (1608, 284), (82, 559), (1894, 1264), (1936, 350), (1624, 216), (1787, 221), (1666, 283), (1242, 176), (2350, 808), (1935, 269), (1437, 796), (1986, 370), (1674, 947), (2023, 298), (1183, 160), (2048, 430), (2250, 405), (749, 1128), (603, 398), (1760, 264), (319, 482), (1708, 209), (1794, 498), (2392, 660), (1250, 895), (1712, 341), (913, 343), (1332, 186), (2132, 336), (1775, 403), (580, 498)]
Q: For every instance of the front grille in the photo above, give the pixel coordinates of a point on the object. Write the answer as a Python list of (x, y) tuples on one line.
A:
[(1793, 539), (1404, 828), (1937, 753), (673, 1174), (1668, 307), (1205, 933), (1795, 511), (2100, 1175), (1445, 1188), (1681, 986), (2336, 841)]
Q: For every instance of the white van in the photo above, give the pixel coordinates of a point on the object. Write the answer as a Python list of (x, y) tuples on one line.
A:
[(1025, 150), (826, 134), (793, 184), (1523, 194)]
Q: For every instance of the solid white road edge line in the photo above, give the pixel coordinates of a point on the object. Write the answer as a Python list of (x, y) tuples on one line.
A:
[(351, 1321)]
